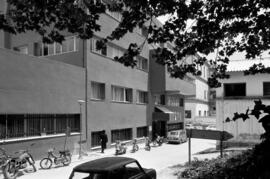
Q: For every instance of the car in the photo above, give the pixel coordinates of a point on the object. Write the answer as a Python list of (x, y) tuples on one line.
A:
[(177, 136), (112, 168)]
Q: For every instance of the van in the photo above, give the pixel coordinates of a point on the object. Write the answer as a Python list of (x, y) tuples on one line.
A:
[(177, 136)]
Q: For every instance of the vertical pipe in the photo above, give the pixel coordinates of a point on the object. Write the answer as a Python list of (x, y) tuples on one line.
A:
[(189, 150)]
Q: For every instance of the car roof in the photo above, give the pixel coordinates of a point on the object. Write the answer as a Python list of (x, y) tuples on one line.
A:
[(106, 164)]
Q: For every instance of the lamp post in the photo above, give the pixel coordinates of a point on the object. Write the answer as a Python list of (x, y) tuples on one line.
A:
[(80, 104)]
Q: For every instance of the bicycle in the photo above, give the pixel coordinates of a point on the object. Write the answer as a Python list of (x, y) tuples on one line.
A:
[(63, 158)]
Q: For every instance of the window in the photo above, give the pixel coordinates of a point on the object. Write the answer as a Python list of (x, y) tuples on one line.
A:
[(188, 114), (142, 132), (157, 99), (115, 51), (205, 113), (142, 63), (200, 113), (266, 88), (121, 134), (95, 138), (22, 49), (26, 125), (70, 44), (98, 90), (181, 102), (175, 116), (102, 51), (175, 126), (142, 97), (234, 89), (121, 94), (173, 100)]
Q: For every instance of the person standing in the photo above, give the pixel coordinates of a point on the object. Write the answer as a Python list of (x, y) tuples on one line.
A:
[(103, 141)]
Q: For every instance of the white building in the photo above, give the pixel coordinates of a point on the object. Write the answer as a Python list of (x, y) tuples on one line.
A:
[(198, 106), (237, 94)]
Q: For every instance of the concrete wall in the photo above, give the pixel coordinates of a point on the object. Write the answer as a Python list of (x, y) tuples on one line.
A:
[(37, 85), (228, 106)]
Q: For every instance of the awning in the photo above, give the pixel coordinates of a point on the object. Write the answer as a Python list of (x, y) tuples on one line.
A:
[(164, 109)]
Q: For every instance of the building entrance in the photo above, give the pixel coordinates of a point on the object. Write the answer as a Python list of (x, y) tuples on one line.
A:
[(160, 128)]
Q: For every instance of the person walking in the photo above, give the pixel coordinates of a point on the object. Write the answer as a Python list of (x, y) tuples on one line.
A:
[(103, 140)]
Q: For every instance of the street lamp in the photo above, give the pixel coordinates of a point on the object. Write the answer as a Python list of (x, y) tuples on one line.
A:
[(80, 104)]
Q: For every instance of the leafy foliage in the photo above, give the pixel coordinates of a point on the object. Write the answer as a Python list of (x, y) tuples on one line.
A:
[(221, 27), (248, 165)]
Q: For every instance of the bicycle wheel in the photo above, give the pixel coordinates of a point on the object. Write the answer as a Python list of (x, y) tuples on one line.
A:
[(46, 163), (10, 171), (67, 160)]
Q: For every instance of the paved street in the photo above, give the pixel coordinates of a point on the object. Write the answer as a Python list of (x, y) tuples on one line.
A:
[(158, 158)]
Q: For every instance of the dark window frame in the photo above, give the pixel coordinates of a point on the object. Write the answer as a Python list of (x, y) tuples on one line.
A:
[(234, 91), (266, 89)]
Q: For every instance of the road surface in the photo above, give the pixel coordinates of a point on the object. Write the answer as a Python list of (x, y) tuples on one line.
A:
[(159, 158)]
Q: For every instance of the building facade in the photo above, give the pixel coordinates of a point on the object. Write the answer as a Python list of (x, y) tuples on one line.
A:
[(237, 94), (49, 90), (199, 105)]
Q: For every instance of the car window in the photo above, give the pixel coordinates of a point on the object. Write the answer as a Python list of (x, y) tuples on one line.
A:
[(131, 170), (78, 175)]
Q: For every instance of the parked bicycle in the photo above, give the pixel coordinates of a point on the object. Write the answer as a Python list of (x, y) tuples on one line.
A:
[(158, 141), (147, 144), (135, 146), (64, 158), (15, 164), (120, 148)]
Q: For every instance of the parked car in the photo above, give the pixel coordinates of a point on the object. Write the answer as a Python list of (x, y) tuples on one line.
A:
[(112, 168), (177, 136)]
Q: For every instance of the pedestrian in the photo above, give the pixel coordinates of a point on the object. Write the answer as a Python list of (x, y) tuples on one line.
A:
[(103, 140)]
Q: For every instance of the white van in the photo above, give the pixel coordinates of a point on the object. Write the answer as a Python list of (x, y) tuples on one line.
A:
[(177, 136)]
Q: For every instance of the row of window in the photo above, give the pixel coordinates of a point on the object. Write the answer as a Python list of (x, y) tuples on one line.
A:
[(118, 94), (26, 125), (112, 51), (239, 89), (172, 100), (119, 134)]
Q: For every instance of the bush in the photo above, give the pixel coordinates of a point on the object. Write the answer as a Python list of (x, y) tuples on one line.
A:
[(251, 164)]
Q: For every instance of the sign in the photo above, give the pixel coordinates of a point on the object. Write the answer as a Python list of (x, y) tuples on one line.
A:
[(208, 134)]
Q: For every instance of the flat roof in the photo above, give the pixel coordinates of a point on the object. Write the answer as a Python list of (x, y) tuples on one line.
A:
[(242, 65)]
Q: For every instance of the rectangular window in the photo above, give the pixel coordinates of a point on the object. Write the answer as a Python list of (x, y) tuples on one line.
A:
[(95, 138), (68, 45), (188, 114), (115, 51), (103, 51), (142, 97), (98, 90), (200, 113), (173, 100), (142, 132), (22, 49), (121, 134), (175, 126), (26, 125), (234, 89), (157, 99), (121, 94), (142, 63), (181, 103), (266, 88)]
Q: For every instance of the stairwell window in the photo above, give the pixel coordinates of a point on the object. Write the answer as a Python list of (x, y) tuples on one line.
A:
[(94, 49), (142, 63), (121, 94), (142, 97), (98, 91)]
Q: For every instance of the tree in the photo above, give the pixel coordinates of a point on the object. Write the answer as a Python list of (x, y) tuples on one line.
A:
[(222, 27)]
